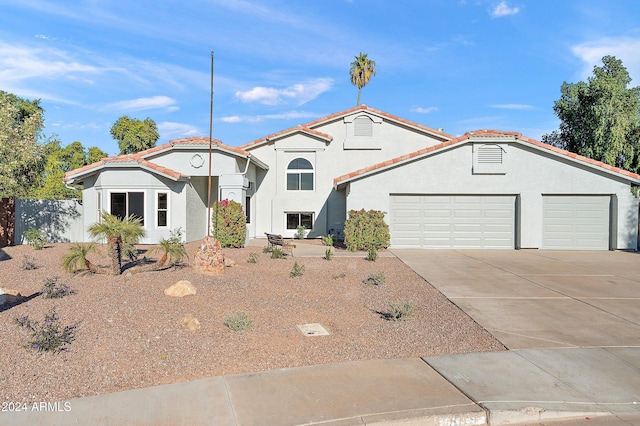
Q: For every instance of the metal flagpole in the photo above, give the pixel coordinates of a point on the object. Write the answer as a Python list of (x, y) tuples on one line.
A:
[(210, 149)]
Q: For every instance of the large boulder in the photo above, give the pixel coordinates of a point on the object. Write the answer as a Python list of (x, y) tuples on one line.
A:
[(209, 258), (180, 289)]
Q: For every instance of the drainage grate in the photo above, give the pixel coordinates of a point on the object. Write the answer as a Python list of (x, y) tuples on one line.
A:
[(314, 329)]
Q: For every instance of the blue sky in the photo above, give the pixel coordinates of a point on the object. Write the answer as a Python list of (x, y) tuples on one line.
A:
[(459, 65)]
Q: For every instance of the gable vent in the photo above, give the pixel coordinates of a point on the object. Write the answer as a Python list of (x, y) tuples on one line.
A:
[(490, 154), (362, 126)]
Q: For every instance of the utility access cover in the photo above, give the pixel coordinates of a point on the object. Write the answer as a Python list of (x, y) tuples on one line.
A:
[(314, 329)]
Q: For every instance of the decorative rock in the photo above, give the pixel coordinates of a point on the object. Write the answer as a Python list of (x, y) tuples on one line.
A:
[(209, 258), (190, 322), (8, 296), (180, 289)]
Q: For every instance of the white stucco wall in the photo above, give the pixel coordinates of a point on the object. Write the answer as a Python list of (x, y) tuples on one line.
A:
[(330, 160), (529, 174)]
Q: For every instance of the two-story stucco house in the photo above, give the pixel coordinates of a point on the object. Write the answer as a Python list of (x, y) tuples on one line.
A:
[(485, 189)]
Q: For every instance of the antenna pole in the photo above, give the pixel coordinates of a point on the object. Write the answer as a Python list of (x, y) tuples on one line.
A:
[(210, 150)]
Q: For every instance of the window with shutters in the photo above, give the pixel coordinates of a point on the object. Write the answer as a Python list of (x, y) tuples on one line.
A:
[(489, 159)]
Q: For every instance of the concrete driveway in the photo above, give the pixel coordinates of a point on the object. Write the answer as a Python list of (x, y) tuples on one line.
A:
[(540, 299)]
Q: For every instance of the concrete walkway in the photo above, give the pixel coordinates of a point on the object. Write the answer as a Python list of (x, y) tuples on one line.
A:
[(571, 320)]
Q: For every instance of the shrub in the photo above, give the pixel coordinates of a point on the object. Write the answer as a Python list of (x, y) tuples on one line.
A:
[(28, 263), (400, 311), (49, 336), (338, 276), (328, 253), (35, 238), (375, 279), (372, 254), (229, 223), (252, 258), (366, 229), (327, 240), (53, 289), (277, 253), (297, 270), (266, 249), (238, 321), (172, 249), (301, 232)]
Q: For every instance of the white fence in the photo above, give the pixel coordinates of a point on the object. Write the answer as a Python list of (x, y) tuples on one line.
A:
[(60, 220)]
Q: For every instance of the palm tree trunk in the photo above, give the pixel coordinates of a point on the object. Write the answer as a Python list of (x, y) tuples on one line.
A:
[(160, 263), (116, 255), (359, 88)]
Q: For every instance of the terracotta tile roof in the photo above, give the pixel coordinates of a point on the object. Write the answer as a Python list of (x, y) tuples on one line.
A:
[(489, 134), (309, 127), (286, 132), (139, 158)]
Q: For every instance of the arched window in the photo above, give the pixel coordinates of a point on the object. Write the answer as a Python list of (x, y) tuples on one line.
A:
[(300, 175)]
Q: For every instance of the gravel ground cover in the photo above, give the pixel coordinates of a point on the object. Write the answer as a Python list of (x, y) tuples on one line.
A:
[(130, 335)]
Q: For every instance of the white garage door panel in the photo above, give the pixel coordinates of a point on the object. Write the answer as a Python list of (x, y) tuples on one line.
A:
[(575, 222), (456, 221)]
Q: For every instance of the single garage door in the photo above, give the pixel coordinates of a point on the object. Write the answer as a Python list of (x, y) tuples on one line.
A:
[(453, 221), (574, 222)]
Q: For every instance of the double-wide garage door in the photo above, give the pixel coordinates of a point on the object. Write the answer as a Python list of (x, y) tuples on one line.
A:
[(453, 221)]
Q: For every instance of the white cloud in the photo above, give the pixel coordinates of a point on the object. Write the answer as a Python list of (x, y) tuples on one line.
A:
[(173, 130), (502, 9), (18, 63), (298, 93), (511, 106), (624, 48), (140, 104), (424, 110), (289, 115)]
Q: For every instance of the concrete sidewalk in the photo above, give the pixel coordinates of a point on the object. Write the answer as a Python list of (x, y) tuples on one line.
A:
[(515, 387)]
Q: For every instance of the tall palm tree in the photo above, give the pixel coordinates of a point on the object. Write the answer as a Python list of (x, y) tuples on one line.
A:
[(361, 71), (117, 232)]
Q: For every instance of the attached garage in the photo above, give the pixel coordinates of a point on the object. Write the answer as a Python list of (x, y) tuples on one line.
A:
[(576, 222), (453, 221)]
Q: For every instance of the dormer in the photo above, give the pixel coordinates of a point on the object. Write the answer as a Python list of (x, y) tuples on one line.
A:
[(363, 131)]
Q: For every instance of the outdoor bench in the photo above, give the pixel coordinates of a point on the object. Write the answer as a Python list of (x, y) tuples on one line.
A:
[(277, 240)]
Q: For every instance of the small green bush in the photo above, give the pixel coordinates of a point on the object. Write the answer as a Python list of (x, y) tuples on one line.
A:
[(328, 253), (35, 238), (277, 253), (28, 263), (297, 270), (328, 240), (53, 289), (372, 254), (49, 336), (375, 279), (400, 311), (366, 229), (252, 258), (229, 223), (266, 249), (338, 276), (301, 232), (238, 321)]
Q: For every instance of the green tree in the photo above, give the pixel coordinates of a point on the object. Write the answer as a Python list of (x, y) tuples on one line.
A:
[(57, 161), (600, 118), (134, 135), (21, 123), (361, 71), (118, 233), (95, 154)]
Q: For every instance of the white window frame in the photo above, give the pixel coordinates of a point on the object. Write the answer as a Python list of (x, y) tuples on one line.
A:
[(126, 191), (99, 208), (288, 171), (156, 209), (286, 222)]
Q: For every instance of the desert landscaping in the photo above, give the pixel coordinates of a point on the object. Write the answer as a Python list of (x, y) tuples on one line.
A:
[(130, 334)]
